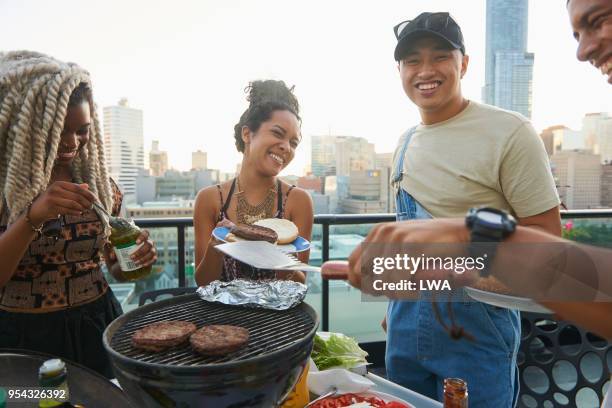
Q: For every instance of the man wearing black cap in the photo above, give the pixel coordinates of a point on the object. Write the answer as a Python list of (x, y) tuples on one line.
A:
[(463, 154)]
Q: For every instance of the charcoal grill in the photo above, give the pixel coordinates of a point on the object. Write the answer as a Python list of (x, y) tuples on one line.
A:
[(259, 375)]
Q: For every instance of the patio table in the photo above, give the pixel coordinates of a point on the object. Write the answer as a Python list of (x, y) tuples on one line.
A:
[(19, 369)]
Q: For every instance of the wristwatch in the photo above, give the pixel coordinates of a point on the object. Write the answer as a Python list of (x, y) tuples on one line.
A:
[(488, 225)]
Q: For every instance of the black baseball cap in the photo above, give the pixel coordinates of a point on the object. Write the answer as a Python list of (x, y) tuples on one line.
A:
[(440, 25)]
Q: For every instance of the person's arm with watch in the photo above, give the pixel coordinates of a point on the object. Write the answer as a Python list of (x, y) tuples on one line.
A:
[(520, 263), (534, 264), (582, 268)]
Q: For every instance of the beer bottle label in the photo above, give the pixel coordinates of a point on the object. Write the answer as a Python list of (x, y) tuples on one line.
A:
[(123, 253)]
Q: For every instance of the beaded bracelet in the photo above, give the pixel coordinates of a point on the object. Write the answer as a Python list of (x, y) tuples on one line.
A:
[(29, 221)]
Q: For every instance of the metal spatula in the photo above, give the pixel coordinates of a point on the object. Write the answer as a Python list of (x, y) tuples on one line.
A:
[(264, 255)]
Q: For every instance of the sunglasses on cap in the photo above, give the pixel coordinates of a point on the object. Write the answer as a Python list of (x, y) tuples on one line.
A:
[(433, 21)]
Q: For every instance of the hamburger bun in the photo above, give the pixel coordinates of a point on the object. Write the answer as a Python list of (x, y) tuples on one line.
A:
[(286, 230)]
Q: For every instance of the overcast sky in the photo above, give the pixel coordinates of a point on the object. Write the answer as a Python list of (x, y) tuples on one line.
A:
[(185, 63)]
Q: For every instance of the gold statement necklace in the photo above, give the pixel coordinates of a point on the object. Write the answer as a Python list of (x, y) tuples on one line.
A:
[(247, 213)]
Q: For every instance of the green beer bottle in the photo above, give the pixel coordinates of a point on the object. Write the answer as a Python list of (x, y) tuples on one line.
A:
[(123, 240), (52, 377)]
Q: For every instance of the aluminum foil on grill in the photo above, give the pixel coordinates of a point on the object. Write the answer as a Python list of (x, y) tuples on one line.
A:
[(270, 294)]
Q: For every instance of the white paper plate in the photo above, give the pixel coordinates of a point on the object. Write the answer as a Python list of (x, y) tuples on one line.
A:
[(298, 245), (506, 301)]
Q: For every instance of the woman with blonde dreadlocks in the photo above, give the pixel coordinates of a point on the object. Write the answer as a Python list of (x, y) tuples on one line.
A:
[(267, 134), (53, 295)]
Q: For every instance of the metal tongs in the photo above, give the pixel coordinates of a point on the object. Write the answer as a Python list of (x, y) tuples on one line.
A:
[(101, 208)]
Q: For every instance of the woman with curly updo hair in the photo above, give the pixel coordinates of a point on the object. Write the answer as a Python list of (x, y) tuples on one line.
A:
[(267, 134), (53, 295)]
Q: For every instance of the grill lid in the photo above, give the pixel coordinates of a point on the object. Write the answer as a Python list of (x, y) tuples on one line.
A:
[(270, 331)]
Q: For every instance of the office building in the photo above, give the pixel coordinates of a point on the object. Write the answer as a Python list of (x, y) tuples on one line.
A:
[(158, 160), (320, 202), (162, 209), (199, 160), (337, 189), (557, 138), (597, 132), (606, 185), (508, 65), (311, 183), (323, 156), (340, 155), (354, 154), (368, 192), (124, 145), (578, 176), (174, 185), (548, 138), (384, 160)]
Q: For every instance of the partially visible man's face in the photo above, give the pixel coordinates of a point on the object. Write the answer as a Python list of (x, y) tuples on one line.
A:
[(592, 24), (431, 73)]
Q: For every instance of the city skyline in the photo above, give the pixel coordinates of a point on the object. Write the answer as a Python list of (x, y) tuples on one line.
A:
[(349, 177), (187, 73), (333, 155)]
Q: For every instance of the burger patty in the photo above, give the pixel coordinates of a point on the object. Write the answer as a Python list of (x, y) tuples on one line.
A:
[(254, 233), (216, 340), (162, 335)]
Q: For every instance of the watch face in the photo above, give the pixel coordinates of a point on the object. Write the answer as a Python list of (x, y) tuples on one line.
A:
[(490, 217)]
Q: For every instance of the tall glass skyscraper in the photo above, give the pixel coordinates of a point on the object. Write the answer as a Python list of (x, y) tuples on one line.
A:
[(124, 146), (509, 67)]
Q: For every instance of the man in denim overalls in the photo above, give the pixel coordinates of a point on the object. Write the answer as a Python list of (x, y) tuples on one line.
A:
[(463, 154)]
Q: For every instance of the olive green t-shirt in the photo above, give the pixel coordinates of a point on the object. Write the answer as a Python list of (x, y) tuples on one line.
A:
[(483, 156)]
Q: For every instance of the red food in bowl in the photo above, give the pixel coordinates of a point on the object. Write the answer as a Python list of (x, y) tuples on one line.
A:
[(346, 400)]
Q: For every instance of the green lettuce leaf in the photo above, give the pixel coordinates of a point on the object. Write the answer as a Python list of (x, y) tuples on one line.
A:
[(337, 351)]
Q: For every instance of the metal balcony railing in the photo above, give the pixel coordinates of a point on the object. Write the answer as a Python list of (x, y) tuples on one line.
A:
[(325, 220)]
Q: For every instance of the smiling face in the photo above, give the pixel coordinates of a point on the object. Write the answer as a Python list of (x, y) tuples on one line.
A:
[(75, 134), (272, 147), (431, 75), (592, 25)]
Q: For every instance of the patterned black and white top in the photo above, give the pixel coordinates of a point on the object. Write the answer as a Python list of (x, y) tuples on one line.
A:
[(56, 274)]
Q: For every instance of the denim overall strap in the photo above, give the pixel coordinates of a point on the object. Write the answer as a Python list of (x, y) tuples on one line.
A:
[(406, 206), (398, 174)]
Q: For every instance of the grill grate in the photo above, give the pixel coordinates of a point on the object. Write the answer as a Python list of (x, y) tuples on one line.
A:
[(270, 330)]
